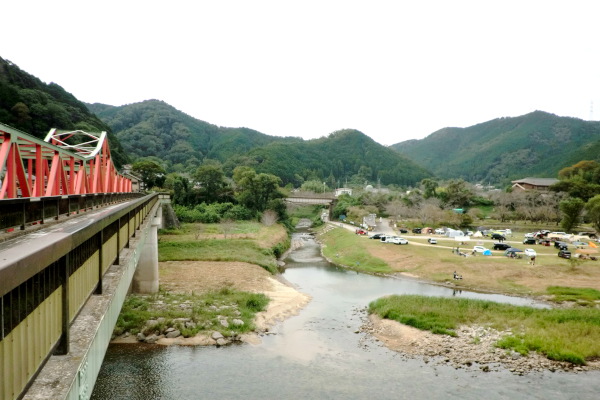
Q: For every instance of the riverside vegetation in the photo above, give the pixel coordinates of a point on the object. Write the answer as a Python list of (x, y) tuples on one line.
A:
[(571, 335), (226, 310)]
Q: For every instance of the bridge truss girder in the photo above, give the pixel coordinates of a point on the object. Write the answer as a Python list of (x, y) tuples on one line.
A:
[(30, 167)]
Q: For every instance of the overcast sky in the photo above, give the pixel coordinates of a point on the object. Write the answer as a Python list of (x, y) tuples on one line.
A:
[(395, 70)]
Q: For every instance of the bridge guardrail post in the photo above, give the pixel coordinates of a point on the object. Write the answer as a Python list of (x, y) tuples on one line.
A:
[(100, 261), (62, 347)]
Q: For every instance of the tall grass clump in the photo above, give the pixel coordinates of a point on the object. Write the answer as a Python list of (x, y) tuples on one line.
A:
[(571, 335), (582, 296)]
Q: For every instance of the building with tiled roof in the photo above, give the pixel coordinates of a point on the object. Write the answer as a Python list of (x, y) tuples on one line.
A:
[(533, 183)]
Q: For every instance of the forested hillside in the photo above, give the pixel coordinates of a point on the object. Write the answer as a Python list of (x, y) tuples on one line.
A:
[(504, 149), (154, 128), (34, 107), (346, 154)]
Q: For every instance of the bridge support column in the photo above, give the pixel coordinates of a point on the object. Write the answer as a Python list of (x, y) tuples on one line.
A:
[(145, 279)]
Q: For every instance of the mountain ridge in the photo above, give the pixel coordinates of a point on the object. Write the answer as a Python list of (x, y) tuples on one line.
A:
[(507, 148)]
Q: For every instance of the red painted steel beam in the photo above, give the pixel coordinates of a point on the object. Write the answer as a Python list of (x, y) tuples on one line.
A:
[(54, 166)]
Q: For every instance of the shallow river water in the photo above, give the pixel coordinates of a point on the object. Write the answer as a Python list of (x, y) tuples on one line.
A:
[(318, 355)]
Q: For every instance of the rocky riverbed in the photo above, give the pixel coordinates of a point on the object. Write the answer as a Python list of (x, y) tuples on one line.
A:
[(473, 347)]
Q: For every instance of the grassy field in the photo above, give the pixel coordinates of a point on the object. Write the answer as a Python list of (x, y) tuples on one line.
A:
[(436, 263), (348, 249), (245, 241), (571, 335)]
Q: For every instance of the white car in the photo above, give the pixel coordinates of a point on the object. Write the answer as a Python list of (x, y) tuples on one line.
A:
[(529, 235), (440, 231), (530, 252), (479, 249), (397, 240)]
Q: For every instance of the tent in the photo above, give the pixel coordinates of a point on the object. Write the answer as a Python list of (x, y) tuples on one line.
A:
[(478, 234), (487, 253), (454, 233)]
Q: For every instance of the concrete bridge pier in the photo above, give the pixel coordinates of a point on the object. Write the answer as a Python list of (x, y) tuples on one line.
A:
[(145, 278)]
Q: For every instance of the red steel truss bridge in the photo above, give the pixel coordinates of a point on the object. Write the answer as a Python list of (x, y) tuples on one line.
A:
[(64, 163)]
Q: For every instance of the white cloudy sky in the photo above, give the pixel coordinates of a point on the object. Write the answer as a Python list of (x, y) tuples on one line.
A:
[(395, 70)]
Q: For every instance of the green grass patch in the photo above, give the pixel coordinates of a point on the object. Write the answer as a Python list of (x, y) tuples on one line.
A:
[(217, 250), (571, 335), (195, 230), (582, 296), (203, 311), (346, 248)]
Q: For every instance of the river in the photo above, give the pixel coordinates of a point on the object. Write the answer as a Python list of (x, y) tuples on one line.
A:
[(318, 354)]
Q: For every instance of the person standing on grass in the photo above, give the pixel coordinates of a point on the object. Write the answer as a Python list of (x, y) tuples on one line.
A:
[(532, 261)]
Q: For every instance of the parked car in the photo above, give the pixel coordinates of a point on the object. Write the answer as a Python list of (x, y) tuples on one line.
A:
[(361, 232), (376, 236), (432, 240), (530, 253), (479, 249), (440, 231), (396, 240), (501, 246), (513, 253), (564, 254), (561, 245), (545, 242), (403, 230), (529, 241), (497, 236), (416, 230), (469, 233), (529, 235)]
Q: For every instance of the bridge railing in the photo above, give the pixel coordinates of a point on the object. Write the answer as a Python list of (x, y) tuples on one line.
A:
[(21, 213), (46, 279)]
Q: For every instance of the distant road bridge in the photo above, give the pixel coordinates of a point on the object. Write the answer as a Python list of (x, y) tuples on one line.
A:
[(74, 240), (327, 199)]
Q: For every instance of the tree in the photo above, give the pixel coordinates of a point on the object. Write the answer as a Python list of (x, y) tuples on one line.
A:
[(152, 173), (314, 186), (397, 210), (254, 190), (430, 185), (182, 190), (571, 210), (227, 227), (269, 217), (211, 179), (457, 194), (21, 112), (593, 211)]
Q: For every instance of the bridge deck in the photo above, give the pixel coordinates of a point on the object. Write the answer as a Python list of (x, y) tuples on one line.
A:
[(28, 254)]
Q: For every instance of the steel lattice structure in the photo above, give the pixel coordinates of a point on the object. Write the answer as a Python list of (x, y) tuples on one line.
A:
[(64, 163)]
